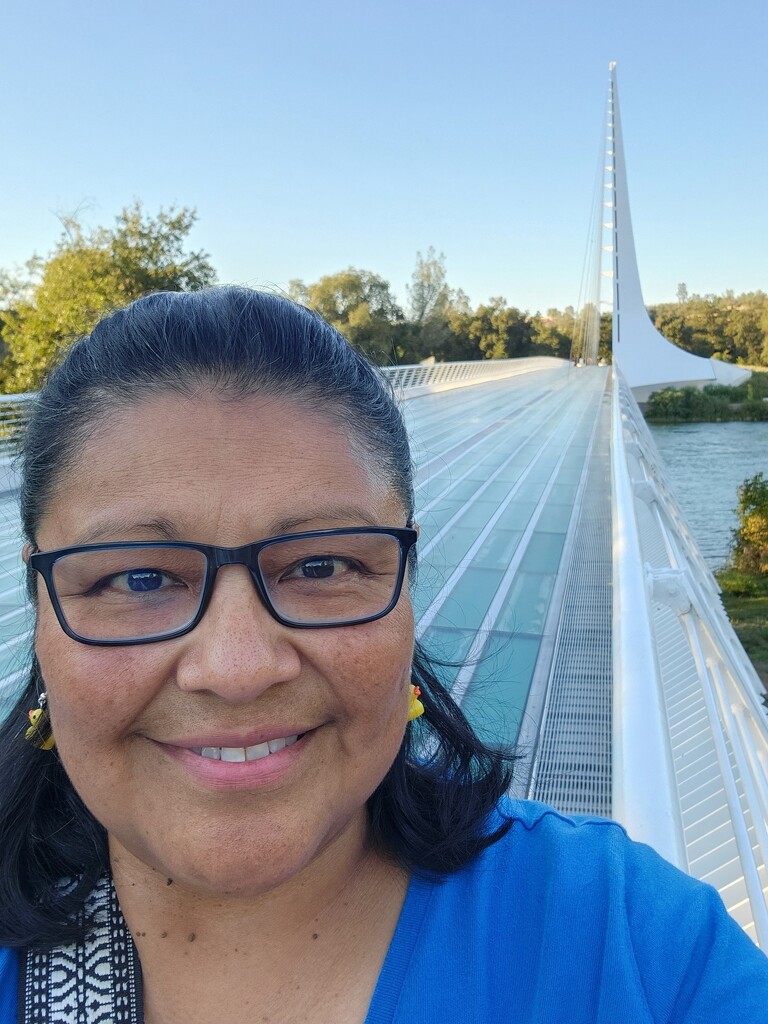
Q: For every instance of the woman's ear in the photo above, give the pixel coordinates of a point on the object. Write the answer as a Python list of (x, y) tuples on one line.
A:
[(26, 551)]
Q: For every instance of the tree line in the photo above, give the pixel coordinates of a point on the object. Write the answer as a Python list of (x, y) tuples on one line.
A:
[(728, 326), (56, 299), (715, 403), (59, 298)]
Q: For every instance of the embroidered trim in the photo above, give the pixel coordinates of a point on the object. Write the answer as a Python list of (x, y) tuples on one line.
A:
[(97, 981)]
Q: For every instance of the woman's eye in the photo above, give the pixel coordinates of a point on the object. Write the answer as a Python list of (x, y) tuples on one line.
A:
[(140, 581), (320, 568)]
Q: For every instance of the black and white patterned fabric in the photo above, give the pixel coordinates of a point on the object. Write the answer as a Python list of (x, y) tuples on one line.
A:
[(97, 981)]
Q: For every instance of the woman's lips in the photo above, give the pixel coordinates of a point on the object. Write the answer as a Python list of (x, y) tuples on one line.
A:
[(252, 753), (240, 767)]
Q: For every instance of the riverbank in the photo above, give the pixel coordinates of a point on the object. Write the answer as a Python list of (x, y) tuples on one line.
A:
[(716, 403), (745, 599)]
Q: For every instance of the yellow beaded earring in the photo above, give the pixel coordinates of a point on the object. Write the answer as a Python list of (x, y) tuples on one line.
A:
[(416, 708), (39, 733)]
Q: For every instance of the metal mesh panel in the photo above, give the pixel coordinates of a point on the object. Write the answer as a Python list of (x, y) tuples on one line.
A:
[(710, 842), (573, 763)]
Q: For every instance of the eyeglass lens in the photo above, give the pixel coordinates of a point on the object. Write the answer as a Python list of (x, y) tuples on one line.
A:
[(133, 592)]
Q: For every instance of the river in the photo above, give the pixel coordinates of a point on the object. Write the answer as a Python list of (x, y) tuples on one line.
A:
[(706, 463)]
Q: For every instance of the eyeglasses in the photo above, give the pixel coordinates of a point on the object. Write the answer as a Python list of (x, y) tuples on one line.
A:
[(138, 593)]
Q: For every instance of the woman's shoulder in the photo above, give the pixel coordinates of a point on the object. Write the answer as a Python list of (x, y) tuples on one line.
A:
[(573, 904), (538, 838), (595, 862), (578, 840), (9, 984)]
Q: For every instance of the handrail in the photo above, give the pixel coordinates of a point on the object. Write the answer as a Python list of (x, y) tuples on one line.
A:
[(407, 381), (14, 410), (732, 729), (414, 380), (643, 774)]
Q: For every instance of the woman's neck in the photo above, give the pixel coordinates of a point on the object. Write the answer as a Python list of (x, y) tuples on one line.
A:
[(309, 949)]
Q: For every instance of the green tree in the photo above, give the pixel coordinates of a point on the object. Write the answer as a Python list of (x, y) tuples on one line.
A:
[(671, 321), (87, 274), (428, 293), (494, 330), (360, 305), (728, 326), (431, 304), (586, 333), (605, 351), (552, 335), (704, 314), (750, 538), (745, 327)]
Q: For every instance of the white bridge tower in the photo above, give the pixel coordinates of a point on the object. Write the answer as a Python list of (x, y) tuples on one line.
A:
[(648, 361)]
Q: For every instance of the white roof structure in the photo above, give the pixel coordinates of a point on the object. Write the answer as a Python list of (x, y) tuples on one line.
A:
[(647, 360)]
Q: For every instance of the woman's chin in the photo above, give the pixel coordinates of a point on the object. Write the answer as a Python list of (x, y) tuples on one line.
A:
[(235, 863)]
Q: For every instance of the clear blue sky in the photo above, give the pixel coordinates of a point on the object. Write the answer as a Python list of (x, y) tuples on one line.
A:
[(312, 136)]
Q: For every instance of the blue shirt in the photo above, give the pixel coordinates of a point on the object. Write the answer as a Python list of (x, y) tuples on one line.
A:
[(561, 922)]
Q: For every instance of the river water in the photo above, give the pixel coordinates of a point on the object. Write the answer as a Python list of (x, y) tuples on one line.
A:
[(706, 463)]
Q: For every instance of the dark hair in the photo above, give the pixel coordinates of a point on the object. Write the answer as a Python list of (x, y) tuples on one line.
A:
[(431, 812)]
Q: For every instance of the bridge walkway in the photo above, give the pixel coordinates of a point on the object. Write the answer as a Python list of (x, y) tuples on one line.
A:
[(502, 473)]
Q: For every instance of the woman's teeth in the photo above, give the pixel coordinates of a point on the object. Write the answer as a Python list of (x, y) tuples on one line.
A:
[(254, 753)]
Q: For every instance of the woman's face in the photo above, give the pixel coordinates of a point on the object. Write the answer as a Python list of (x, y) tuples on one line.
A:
[(129, 720)]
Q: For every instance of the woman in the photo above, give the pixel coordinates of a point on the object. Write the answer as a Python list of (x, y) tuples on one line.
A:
[(226, 805)]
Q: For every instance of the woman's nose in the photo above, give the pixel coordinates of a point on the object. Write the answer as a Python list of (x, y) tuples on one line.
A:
[(237, 650)]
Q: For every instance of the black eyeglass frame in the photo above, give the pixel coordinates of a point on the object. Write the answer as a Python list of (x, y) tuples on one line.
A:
[(216, 557)]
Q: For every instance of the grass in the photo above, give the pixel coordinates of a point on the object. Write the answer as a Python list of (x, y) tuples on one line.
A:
[(745, 599)]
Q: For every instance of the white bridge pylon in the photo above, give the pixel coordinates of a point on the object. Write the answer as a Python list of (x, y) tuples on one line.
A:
[(648, 361)]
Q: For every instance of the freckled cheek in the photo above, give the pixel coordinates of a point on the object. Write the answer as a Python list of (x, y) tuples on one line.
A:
[(372, 669), (94, 693)]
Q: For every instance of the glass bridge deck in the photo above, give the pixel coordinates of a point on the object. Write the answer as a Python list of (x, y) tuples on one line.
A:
[(498, 471)]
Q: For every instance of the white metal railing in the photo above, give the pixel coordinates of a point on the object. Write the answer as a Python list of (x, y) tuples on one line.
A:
[(690, 725), (407, 381), (643, 790), (13, 415), (411, 381)]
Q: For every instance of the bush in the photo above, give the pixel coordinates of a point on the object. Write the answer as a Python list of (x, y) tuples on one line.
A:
[(716, 403), (721, 391), (689, 405), (755, 411), (750, 539)]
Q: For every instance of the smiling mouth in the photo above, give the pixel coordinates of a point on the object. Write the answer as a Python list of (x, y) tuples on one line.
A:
[(254, 753)]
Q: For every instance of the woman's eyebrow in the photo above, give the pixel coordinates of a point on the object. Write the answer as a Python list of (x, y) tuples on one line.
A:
[(347, 515), (120, 527)]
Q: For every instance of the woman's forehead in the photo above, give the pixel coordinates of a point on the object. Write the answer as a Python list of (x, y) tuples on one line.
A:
[(223, 465)]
